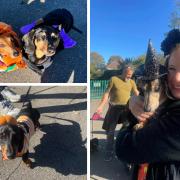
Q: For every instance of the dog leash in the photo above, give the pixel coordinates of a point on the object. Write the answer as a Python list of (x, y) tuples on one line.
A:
[(27, 94)]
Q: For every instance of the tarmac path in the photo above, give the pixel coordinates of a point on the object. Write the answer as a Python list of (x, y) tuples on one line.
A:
[(67, 62), (100, 169), (59, 147)]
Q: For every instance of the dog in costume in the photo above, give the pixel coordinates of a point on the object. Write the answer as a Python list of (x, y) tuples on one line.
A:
[(15, 134), (45, 36), (10, 49)]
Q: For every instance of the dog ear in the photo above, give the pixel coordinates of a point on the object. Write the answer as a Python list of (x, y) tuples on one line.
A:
[(61, 45), (28, 40)]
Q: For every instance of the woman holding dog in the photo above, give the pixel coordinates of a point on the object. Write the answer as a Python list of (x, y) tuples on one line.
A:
[(158, 142)]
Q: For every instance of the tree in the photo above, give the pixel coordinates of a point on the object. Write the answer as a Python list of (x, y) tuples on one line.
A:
[(175, 16), (114, 63), (97, 65), (139, 60), (128, 60), (161, 58)]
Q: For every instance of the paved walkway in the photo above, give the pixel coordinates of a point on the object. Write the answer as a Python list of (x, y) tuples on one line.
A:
[(69, 64), (100, 169), (59, 148)]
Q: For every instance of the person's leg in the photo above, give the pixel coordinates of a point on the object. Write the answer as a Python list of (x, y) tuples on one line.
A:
[(10, 95), (110, 143)]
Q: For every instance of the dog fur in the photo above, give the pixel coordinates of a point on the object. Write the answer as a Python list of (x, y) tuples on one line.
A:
[(10, 48), (152, 92), (13, 137), (94, 145), (41, 43)]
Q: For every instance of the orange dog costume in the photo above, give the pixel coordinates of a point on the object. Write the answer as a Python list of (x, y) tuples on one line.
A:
[(8, 63), (27, 135)]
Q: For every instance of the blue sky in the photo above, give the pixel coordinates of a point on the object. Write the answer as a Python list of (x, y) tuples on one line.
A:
[(123, 27)]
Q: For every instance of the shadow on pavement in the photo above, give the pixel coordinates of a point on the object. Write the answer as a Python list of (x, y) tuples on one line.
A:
[(64, 108), (98, 132), (62, 149), (57, 118), (58, 96), (107, 169)]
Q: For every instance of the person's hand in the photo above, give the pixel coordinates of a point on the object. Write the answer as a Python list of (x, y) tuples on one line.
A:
[(136, 106), (99, 110)]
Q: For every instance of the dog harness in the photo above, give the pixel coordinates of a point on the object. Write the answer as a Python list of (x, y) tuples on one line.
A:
[(27, 125), (8, 63)]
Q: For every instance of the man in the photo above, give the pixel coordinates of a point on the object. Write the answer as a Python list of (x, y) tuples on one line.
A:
[(118, 93)]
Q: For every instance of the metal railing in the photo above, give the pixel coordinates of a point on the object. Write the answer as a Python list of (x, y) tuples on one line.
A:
[(97, 88)]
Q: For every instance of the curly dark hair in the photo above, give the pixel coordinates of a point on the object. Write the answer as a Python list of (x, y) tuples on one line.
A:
[(170, 42)]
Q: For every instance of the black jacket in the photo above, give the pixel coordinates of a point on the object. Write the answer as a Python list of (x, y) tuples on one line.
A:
[(157, 143)]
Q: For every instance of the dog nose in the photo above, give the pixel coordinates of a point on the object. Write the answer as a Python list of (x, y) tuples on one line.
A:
[(16, 53)]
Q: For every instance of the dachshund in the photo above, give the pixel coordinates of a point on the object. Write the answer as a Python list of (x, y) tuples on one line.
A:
[(15, 138), (10, 49), (45, 36)]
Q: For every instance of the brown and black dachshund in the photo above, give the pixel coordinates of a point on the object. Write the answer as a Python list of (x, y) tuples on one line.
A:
[(15, 137), (43, 40)]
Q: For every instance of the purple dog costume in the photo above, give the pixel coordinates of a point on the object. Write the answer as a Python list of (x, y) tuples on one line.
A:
[(67, 41)]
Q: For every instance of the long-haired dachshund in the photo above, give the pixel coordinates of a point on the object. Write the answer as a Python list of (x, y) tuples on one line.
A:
[(10, 49)]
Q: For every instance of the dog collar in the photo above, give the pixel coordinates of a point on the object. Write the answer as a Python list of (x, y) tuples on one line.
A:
[(67, 40)]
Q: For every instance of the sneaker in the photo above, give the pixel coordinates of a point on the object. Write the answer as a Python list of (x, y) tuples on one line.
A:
[(10, 95), (109, 156), (6, 108)]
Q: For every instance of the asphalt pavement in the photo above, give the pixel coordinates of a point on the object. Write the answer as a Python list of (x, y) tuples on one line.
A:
[(99, 168), (67, 64), (58, 149)]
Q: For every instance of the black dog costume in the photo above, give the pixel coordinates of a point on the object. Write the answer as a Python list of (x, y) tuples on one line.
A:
[(55, 22)]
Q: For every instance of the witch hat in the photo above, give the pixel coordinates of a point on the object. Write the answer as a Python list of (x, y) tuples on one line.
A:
[(151, 66), (151, 69)]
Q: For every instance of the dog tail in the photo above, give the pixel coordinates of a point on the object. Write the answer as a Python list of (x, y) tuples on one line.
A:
[(76, 29)]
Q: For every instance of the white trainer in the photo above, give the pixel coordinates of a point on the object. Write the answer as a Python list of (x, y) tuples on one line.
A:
[(6, 108), (10, 95)]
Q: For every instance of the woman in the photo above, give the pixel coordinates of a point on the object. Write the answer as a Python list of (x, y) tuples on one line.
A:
[(158, 142)]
